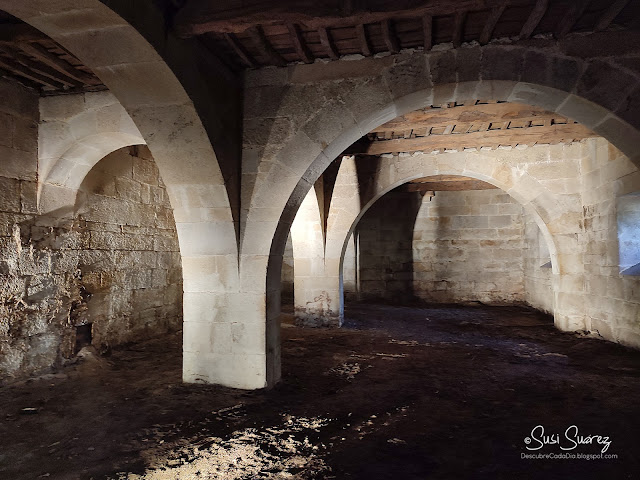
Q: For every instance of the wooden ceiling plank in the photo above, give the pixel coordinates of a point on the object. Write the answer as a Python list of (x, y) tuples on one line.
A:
[(534, 18), (389, 35), (266, 49), (22, 71), (610, 14), (575, 11), (458, 29), (205, 16), (487, 113), (365, 47), (492, 21), (427, 31), (39, 68), (327, 43), (43, 55), (239, 49), (299, 44), (552, 134)]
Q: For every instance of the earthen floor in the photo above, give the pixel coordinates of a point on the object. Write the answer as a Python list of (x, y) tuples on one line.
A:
[(399, 393)]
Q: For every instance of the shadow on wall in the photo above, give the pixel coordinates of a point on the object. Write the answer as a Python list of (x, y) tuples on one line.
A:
[(106, 272), (385, 235)]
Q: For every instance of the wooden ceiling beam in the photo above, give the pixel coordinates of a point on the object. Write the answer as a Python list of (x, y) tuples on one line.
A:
[(534, 18), (458, 29), (492, 138), (43, 55), (456, 186), (427, 31), (575, 11), (236, 16), (492, 21), (264, 47), (298, 43), (441, 117), (40, 68), (20, 70), (239, 50), (363, 40), (610, 14), (389, 35), (327, 43)]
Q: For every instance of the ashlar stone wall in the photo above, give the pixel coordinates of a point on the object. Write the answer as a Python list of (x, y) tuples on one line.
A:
[(106, 275), (468, 246)]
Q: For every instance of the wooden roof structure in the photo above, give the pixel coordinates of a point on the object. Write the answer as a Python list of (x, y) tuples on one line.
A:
[(36, 61), (457, 126), (255, 33)]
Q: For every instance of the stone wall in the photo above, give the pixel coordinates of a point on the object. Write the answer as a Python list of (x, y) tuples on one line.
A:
[(385, 256), (468, 246), (612, 300), (107, 274)]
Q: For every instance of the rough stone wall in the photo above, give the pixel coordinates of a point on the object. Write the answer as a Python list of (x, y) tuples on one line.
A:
[(468, 246), (113, 265), (612, 300), (385, 256)]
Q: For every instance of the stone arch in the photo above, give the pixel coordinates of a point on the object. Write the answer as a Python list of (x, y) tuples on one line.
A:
[(453, 164), (75, 134), (167, 119), (594, 92)]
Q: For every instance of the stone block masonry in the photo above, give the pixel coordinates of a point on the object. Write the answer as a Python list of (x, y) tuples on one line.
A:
[(113, 267)]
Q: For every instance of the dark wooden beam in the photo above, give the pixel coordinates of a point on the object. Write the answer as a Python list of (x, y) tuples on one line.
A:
[(467, 114), (40, 68), (52, 60), (20, 70), (299, 44), (236, 16), (239, 50), (572, 16), (458, 29), (361, 33), (534, 18), (492, 21), (327, 43), (389, 35), (610, 14), (491, 138), (265, 48), (427, 31)]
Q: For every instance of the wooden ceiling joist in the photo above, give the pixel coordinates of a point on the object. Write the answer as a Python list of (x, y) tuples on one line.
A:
[(575, 11), (427, 31), (264, 47), (481, 113), (563, 133), (21, 71), (365, 47), (389, 35), (298, 43), (43, 55), (610, 14), (492, 21), (239, 49), (327, 43), (536, 15)]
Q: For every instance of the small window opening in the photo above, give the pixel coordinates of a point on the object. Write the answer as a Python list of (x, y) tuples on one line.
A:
[(83, 336), (628, 219)]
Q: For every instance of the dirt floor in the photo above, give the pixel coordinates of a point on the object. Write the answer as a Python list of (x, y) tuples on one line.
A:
[(399, 393)]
